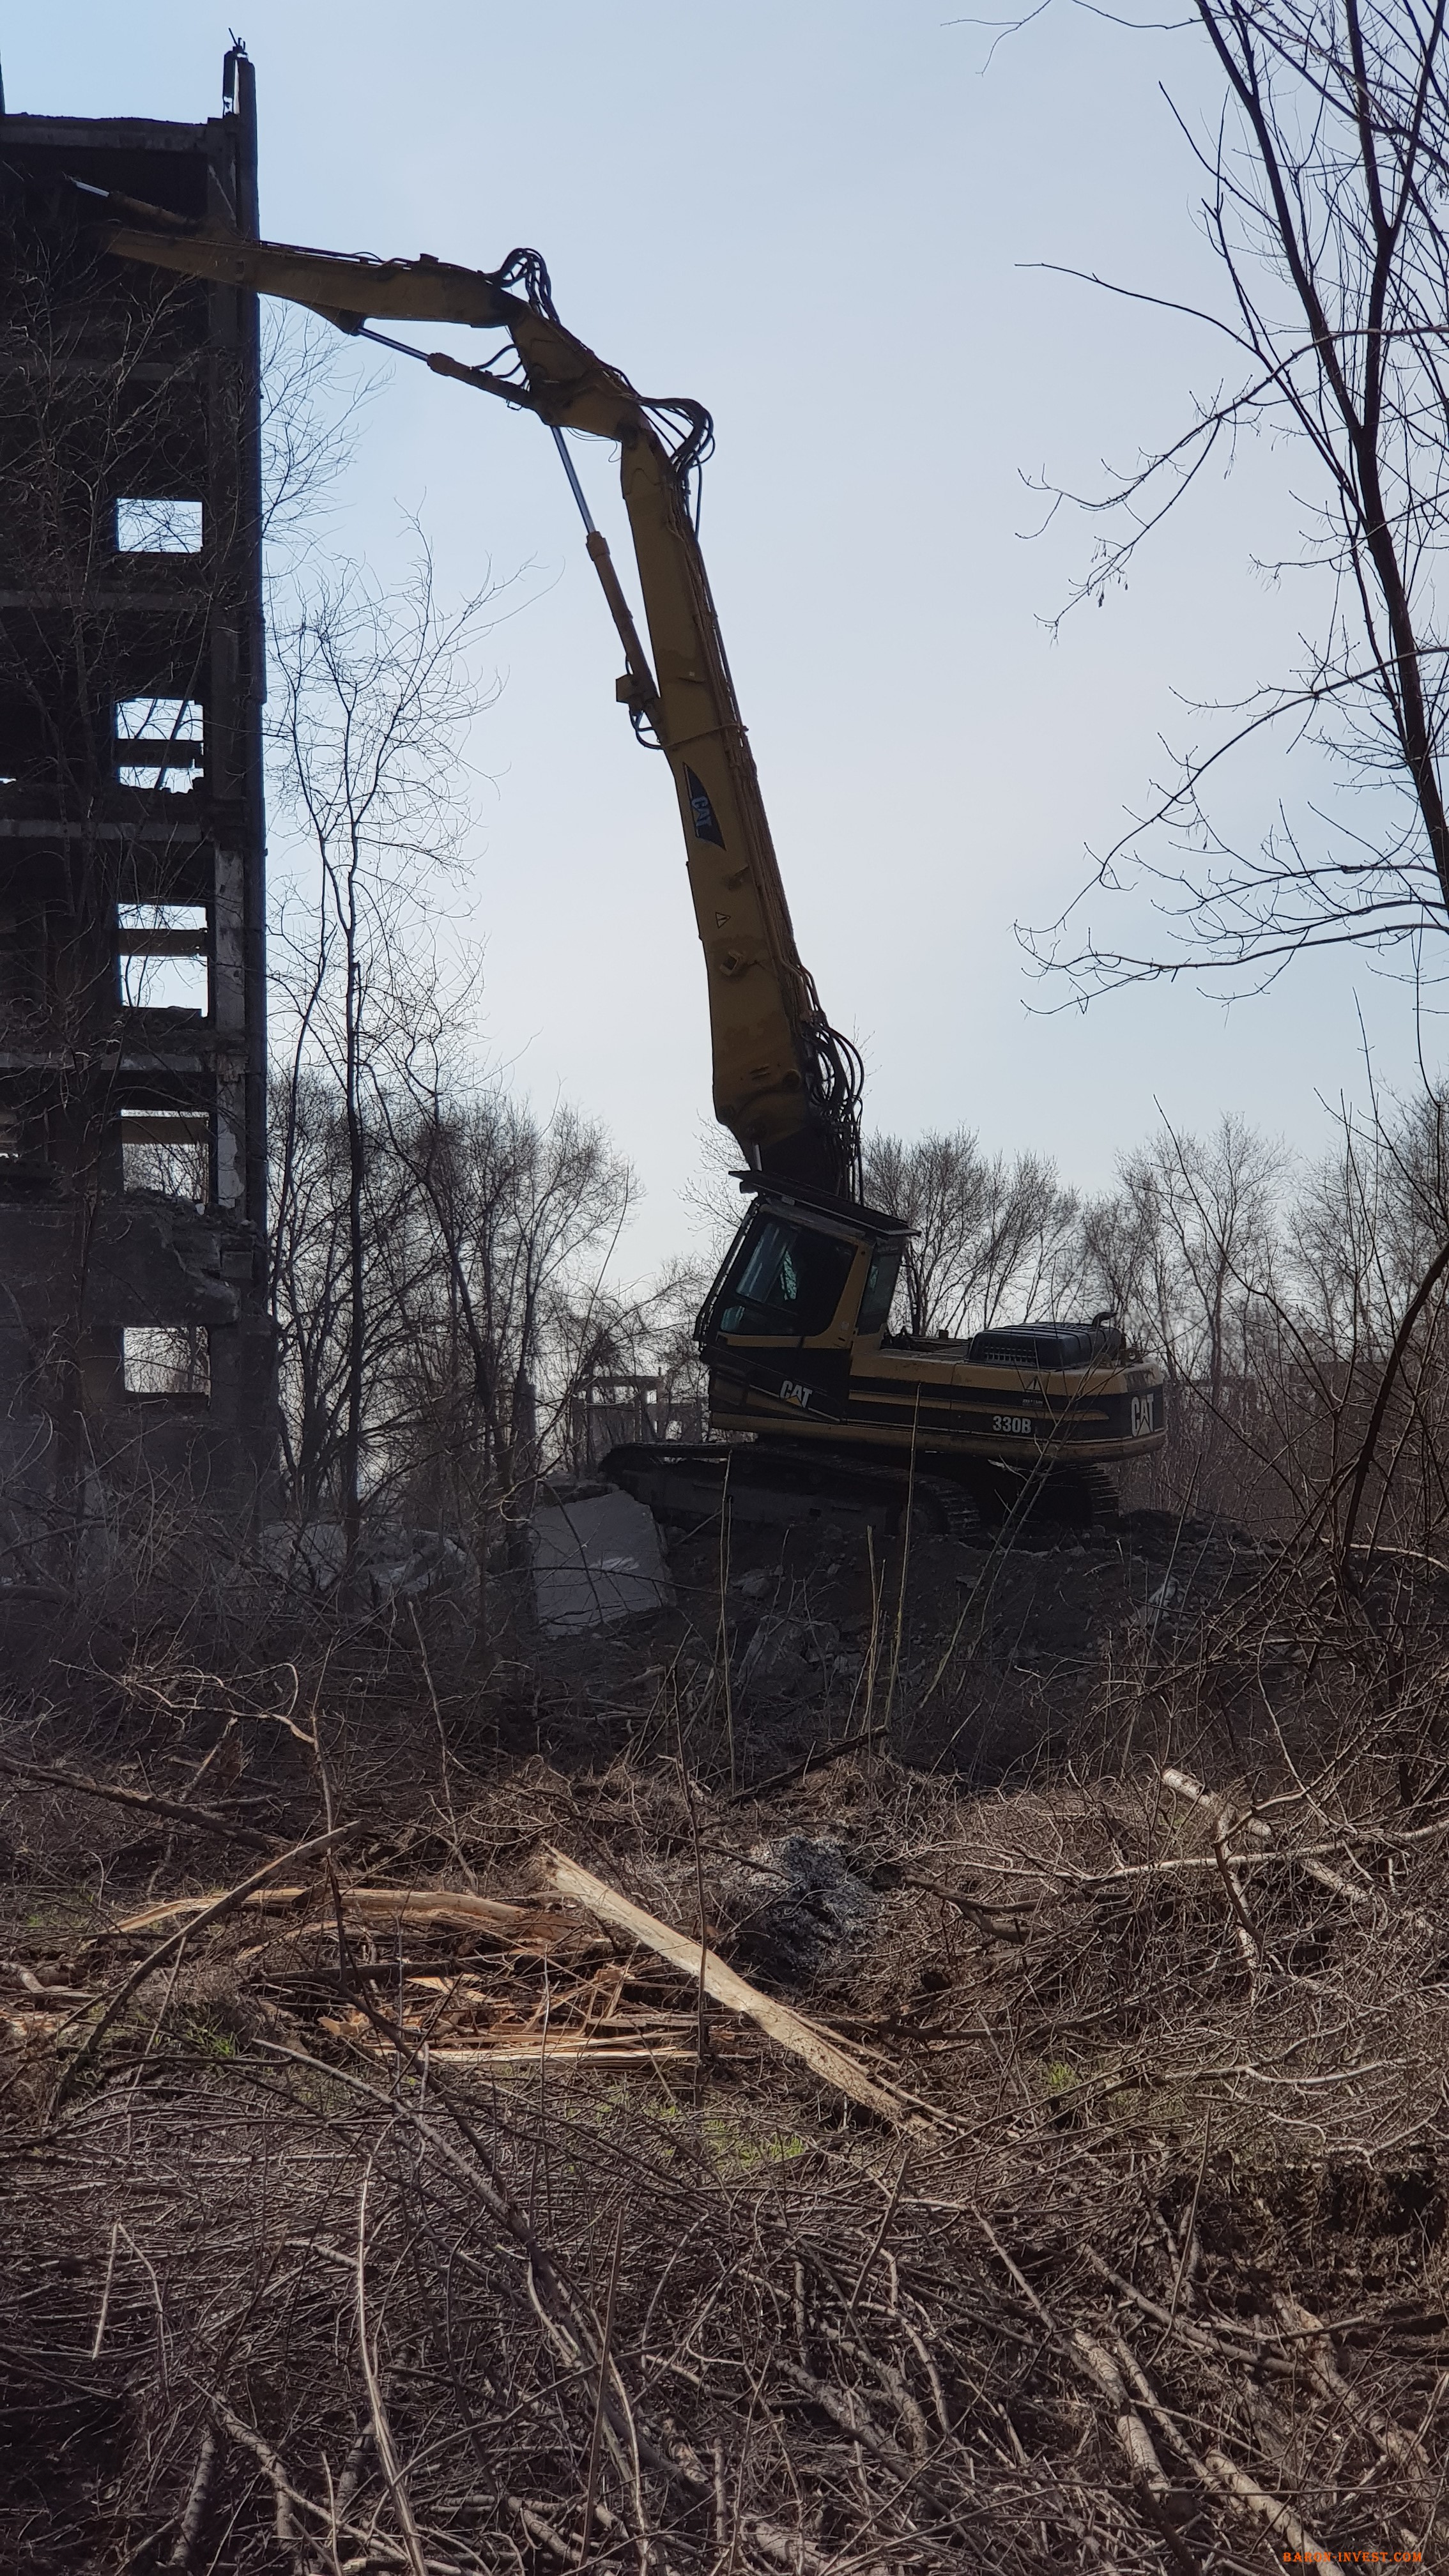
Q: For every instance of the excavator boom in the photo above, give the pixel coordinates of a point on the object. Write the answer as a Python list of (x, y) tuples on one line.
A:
[(837, 1411), (786, 1085)]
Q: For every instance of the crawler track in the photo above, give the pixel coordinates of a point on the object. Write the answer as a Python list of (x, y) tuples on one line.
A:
[(780, 1487)]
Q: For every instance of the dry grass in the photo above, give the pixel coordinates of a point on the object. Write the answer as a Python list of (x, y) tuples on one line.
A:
[(415, 2220)]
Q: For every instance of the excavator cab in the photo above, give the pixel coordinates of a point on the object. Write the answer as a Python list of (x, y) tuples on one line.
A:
[(794, 1335), (806, 1280)]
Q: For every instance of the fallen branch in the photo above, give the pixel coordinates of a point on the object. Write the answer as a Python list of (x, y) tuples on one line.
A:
[(206, 1819), (1131, 2432), (1403, 2449), (213, 1912), (724, 1986), (523, 1926), (286, 2496), (815, 1760), (1237, 2344), (1225, 1818), (290, 2499), (268, 1900), (566, 2318), (566, 2048), (1222, 2475), (1231, 2481), (1183, 1785), (591, 2483), (383, 2444), (1094, 2363), (183, 2555), (1083, 1883), (33, 1985)]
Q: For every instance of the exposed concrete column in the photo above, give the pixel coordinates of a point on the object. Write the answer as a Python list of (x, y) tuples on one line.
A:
[(229, 1019)]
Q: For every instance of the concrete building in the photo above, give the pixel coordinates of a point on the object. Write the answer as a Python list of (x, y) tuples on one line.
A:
[(134, 1337)]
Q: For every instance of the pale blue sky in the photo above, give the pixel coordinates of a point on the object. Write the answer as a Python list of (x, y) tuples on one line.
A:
[(817, 216)]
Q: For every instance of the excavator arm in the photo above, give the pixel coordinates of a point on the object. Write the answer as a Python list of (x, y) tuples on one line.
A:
[(786, 1085)]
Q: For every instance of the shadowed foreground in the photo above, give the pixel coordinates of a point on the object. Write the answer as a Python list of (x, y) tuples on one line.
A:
[(1071, 2191)]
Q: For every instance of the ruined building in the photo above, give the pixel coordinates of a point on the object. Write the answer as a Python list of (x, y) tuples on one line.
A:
[(135, 1350)]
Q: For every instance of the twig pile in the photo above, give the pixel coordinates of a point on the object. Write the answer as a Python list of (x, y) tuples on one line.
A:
[(428, 2199)]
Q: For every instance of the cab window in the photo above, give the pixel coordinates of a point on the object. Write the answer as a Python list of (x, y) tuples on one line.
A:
[(785, 1280), (880, 1288)]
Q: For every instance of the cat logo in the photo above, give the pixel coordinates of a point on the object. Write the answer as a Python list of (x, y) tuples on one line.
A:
[(701, 811), (1142, 1421), (793, 1393)]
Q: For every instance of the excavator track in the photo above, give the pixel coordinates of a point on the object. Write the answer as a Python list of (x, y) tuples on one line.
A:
[(780, 1487)]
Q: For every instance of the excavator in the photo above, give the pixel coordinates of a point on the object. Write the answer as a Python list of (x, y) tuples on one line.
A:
[(824, 1407)]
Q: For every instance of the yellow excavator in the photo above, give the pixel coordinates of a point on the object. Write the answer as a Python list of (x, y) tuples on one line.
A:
[(795, 1330)]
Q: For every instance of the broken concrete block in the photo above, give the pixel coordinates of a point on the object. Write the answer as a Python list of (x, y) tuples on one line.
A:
[(786, 1654), (596, 1562)]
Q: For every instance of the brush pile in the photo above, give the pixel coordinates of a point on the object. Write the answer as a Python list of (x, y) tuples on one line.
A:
[(422, 2156)]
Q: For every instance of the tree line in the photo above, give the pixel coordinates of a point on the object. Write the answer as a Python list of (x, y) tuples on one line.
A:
[(452, 1328)]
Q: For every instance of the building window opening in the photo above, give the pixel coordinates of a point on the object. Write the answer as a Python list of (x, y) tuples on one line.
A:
[(158, 527), (166, 1359), (159, 742), (168, 1151), (163, 956)]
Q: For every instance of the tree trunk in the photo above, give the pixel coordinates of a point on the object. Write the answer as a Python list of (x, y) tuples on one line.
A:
[(357, 1299)]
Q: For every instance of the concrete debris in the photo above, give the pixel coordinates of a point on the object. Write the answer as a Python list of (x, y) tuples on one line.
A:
[(596, 1562), (411, 1564), (1157, 1604), (788, 1654)]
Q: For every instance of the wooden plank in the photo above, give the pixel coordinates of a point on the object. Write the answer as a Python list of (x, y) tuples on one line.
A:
[(723, 1985)]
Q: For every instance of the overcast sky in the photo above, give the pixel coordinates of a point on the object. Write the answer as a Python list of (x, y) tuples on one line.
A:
[(824, 219)]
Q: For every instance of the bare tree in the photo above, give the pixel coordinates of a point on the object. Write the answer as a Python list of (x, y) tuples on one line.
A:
[(1210, 1210), (311, 404), (517, 1219), (986, 1233), (376, 694), (1300, 1318), (1325, 205), (1191, 1254), (315, 1221)]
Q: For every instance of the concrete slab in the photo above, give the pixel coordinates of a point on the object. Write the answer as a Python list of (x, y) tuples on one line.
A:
[(595, 1563)]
